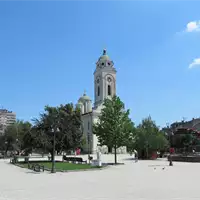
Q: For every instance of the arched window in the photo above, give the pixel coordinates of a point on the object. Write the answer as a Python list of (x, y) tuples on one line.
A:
[(109, 90), (98, 91)]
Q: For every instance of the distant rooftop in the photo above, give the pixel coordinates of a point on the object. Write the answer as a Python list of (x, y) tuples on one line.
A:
[(5, 111)]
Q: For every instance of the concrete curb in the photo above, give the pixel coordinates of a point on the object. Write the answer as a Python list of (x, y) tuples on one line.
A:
[(79, 170), (64, 171)]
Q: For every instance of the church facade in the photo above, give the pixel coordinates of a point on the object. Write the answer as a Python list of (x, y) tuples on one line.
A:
[(104, 87)]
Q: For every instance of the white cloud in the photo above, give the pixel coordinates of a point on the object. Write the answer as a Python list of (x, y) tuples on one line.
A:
[(195, 63), (193, 26)]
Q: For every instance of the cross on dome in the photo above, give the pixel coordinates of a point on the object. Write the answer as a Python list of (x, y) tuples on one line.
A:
[(84, 94)]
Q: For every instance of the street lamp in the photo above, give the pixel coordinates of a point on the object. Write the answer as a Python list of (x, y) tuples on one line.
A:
[(89, 135), (170, 155), (5, 148), (53, 154), (18, 146), (88, 146)]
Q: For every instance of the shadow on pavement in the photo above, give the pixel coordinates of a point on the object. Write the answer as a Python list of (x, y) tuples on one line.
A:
[(32, 172)]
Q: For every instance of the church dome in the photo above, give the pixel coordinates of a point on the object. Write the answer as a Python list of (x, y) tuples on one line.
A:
[(104, 57), (84, 98), (104, 61), (79, 103)]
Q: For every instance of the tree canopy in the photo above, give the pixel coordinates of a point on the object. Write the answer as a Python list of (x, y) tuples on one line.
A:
[(148, 138), (114, 125), (65, 121), (15, 136)]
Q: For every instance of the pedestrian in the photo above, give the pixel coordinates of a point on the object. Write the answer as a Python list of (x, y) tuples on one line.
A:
[(136, 155)]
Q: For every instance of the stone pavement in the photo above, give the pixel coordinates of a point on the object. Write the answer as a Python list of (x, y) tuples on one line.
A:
[(145, 180)]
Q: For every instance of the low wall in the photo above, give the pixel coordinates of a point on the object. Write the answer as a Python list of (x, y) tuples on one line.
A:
[(185, 158)]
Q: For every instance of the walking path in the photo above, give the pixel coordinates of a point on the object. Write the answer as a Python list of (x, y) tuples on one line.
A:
[(145, 180)]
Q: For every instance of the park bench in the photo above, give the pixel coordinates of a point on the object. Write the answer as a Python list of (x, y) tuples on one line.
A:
[(49, 158), (36, 167), (12, 160), (1, 155), (74, 159), (15, 159)]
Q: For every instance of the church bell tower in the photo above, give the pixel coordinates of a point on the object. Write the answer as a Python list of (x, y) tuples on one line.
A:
[(104, 79)]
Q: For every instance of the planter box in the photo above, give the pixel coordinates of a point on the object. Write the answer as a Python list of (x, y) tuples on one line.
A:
[(185, 158)]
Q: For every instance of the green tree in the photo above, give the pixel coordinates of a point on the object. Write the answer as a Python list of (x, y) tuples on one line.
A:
[(70, 126), (65, 121), (185, 140), (149, 138), (114, 126), (14, 137)]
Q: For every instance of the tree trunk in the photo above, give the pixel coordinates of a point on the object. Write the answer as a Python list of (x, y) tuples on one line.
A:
[(115, 155), (52, 156), (109, 149), (6, 150), (147, 153)]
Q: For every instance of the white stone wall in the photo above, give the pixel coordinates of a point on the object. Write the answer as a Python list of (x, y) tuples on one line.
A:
[(104, 150), (91, 118), (87, 130), (120, 150), (95, 139)]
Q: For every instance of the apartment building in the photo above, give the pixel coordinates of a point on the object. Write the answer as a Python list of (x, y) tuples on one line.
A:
[(193, 124), (6, 118)]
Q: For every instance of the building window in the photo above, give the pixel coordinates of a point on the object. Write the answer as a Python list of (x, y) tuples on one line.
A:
[(98, 91), (109, 90)]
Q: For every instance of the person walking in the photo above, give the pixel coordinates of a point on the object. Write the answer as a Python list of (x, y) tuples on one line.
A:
[(136, 155)]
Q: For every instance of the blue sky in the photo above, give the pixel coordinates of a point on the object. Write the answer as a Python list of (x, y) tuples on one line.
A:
[(48, 52)]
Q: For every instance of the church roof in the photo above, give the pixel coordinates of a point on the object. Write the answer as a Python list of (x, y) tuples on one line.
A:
[(104, 57), (84, 98)]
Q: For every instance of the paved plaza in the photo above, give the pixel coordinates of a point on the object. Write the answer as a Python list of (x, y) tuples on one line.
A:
[(145, 180)]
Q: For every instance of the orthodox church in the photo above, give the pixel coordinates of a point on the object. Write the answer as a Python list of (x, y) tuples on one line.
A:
[(104, 87)]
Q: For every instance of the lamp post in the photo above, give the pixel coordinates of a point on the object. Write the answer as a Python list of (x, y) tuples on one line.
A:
[(18, 146), (171, 150), (89, 134), (88, 145), (5, 148), (53, 153), (170, 159)]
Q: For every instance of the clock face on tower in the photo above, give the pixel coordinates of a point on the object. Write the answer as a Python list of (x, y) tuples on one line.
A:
[(109, 79)]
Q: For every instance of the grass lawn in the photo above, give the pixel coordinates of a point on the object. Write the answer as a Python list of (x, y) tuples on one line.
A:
[(63, 166)]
